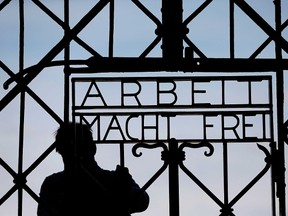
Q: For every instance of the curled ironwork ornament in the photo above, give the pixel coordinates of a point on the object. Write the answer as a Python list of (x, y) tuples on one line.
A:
[(148, 146), (199, 145), (151, 146), (180, 153), (267, 159), (169, 156)]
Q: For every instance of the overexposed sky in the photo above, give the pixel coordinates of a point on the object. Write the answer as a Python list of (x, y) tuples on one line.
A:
[(133, 33)]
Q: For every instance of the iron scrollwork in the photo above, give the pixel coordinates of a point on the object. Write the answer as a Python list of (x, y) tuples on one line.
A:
[(151, 146), (199, 145)]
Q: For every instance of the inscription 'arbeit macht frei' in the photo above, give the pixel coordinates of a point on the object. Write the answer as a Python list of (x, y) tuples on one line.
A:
[(186, 108)]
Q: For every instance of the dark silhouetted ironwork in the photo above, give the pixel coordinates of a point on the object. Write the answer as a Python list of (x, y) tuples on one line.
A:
[(172, 33)]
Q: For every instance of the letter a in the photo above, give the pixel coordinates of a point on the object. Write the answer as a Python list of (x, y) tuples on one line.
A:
[(97, 94)]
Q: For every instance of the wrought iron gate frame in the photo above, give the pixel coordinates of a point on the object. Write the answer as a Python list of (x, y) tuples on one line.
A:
[(172, 31)]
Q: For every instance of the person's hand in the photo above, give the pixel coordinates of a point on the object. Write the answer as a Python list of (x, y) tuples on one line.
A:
[(122, 175)]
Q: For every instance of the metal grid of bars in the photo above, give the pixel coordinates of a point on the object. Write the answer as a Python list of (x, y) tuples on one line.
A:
[(172, 31)]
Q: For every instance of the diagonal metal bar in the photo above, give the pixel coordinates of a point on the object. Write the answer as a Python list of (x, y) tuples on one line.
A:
[(194, 47), (4, 4), (158, 30), (246, 8), (155, 176), (50, 13), (39, 159), (196, 12), (31, 193), (14, 187), (8, 194), (257, 178), (44, 105), (87, 47), (150, 47), (7, 168), (31, 93), (20, 179), (192, 176), (201, 185), (188, 20), (267, 42), (162, 168), (147, 12), (64, 26), (36, 69)]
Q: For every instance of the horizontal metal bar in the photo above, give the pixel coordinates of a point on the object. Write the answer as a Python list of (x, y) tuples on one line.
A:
[(240, 78), (96, 65), (178, 113), (213, 141), (178, 107)]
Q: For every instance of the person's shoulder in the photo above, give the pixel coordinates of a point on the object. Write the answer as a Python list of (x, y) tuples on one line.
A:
[(105, 172), (52, 183), (55, 177)]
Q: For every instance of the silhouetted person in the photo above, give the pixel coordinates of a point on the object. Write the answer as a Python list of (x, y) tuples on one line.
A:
[(83, 188)]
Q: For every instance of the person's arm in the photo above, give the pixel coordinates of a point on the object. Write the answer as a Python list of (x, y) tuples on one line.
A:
[(137, 199), (45, 205)]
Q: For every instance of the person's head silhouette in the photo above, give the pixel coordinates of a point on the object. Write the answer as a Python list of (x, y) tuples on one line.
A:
[(75, 142)]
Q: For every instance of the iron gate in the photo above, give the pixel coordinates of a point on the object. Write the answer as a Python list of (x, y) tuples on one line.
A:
[(165, 97)]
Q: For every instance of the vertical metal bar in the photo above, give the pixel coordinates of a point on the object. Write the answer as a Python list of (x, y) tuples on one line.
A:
[(172, 47), (271, 109), (225, 175), (231, 14), (273, 190), (223, 92), (74, 102), (66, 64), (22, 106), (173, 178), (122, 154), (280, 103), (249, 83), (20, 150), (273, 145), (111, 28)]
